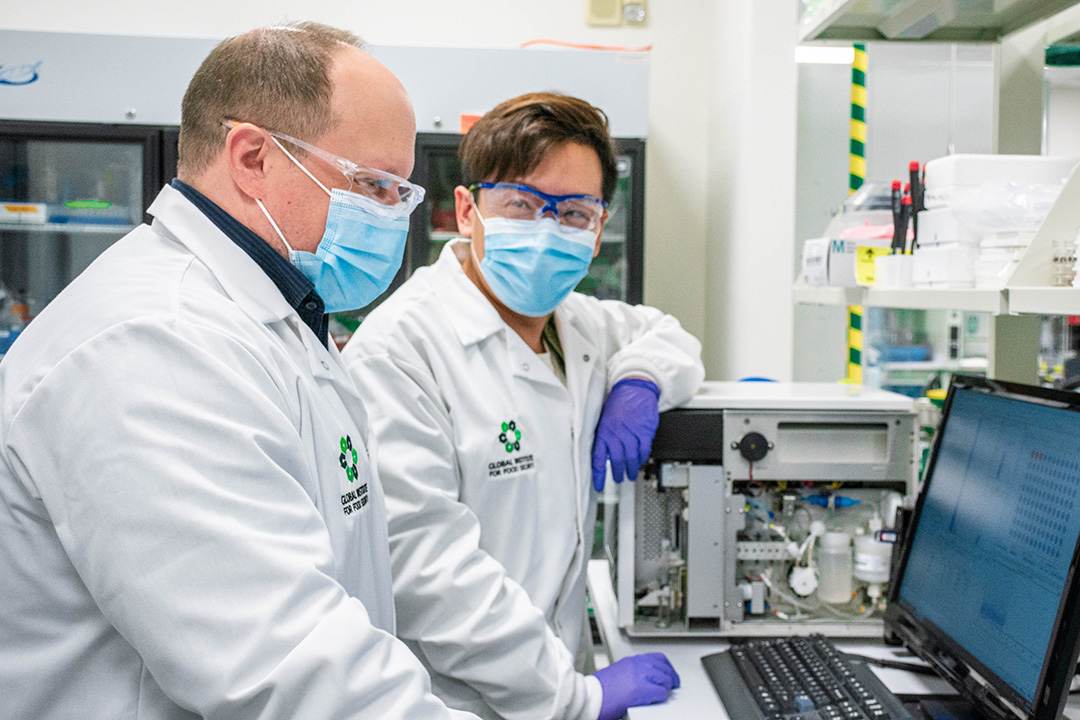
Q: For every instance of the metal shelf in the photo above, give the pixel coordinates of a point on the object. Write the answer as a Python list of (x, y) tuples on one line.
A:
[(828, 295), (967, 364), (972, 300), (934, 20), (68, 228), (1045, 300), (977, 300)]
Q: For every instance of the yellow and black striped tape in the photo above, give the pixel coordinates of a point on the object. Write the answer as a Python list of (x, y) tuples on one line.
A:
[(857, 151), (856, 176), (855, 344)]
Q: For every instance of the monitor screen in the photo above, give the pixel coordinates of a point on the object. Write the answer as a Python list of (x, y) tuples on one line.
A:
[(990, 557)]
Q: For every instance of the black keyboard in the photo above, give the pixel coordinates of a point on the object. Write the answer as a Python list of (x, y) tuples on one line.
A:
[(799, 678)]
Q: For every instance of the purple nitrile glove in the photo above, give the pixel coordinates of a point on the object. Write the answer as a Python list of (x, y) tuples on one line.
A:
[(625, 432), (635, 680)]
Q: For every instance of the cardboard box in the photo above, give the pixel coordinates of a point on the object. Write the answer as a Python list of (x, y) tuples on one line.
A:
[(834, 261), (815, 262)]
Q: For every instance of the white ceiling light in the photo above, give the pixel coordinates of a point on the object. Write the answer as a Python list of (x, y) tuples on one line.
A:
[(825, 54)]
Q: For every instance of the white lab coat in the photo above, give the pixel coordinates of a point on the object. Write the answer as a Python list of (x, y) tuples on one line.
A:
[(178, 537), (489, 545)]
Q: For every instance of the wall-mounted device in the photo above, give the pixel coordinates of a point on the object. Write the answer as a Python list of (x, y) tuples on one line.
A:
[(765, 509)]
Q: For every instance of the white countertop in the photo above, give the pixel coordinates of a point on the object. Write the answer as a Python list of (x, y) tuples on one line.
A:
[(696, 699)]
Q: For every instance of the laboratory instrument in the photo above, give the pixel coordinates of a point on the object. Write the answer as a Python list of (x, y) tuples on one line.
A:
[(765, 509)]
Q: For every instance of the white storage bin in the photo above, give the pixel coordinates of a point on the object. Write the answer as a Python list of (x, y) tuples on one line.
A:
[(941, 226), (955, 178), (994, 266), (944, 266), (1005, 240)]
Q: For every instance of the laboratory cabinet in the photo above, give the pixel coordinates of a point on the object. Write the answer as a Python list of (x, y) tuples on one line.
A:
[(67, 192), (70, 190)]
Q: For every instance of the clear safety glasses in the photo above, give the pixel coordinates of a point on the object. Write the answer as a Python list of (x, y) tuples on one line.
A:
[(396, 193), (521, 202)]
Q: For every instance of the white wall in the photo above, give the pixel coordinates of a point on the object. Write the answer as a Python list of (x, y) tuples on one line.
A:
[(720, 158), (751, 197)]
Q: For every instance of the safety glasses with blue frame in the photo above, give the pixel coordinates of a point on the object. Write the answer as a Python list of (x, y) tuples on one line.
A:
[(521, 202)]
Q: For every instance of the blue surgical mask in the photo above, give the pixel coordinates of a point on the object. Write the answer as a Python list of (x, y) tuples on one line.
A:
[(360, 251), (532, 265)]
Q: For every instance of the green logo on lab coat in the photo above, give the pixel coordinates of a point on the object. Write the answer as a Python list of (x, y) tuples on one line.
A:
[(347, 452), (510, 436)]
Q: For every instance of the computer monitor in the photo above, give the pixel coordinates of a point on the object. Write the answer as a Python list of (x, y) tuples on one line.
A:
[(986, 591)]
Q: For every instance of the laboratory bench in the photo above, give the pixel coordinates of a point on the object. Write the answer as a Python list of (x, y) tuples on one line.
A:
[(696, 698)]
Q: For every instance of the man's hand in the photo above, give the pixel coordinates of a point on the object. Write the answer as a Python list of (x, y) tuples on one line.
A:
[(625, 432), (636, 680)]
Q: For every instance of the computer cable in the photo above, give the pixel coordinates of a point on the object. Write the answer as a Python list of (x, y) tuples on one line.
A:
[(895, 664)]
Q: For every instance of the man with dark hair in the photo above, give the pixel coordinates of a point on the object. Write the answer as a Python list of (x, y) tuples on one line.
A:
[(190, 525), (498, 397)]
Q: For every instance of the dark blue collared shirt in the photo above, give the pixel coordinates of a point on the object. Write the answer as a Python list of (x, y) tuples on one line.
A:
[(298, 291)]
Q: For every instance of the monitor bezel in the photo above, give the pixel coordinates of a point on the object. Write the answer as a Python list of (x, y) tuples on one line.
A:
[(995, 698)]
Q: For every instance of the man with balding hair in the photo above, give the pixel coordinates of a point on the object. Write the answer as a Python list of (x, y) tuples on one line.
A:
[(190, 522)]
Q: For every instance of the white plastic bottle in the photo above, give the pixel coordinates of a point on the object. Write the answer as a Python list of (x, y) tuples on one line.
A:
[(872, 559), (834, 567)]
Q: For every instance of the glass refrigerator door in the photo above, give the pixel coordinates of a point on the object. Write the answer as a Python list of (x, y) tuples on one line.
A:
[(616, 273), (67, 192), (435, 221)]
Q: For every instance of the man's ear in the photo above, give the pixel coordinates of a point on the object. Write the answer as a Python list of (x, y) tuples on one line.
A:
[(463, 208), (600, 235), (246, 150)]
